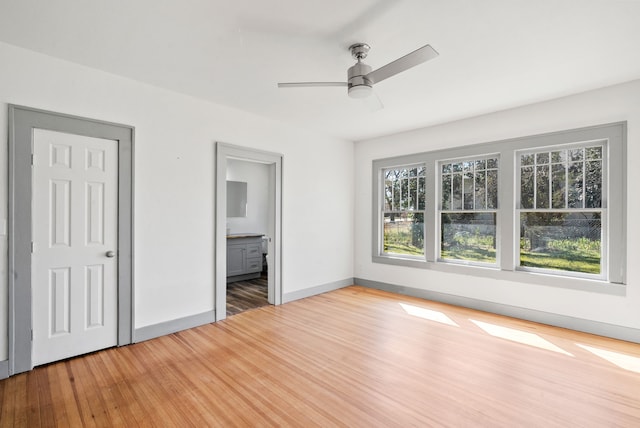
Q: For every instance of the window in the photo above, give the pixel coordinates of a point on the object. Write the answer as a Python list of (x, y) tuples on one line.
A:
[(468, 210), (403, 211), (561, 211), (553, 205)]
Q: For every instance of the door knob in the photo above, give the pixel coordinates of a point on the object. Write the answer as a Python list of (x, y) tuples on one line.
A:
[(111, 254)]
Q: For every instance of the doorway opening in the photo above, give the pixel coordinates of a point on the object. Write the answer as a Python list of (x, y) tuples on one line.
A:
[(248, 229), (248, 196)]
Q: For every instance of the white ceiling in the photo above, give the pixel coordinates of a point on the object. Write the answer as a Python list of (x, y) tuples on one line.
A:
[(494, 54)]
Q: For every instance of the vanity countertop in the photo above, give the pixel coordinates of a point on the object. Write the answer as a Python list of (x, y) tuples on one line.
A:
[(244, 235)]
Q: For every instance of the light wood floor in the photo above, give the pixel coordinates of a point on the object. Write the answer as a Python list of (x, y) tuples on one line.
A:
[(353, 357)]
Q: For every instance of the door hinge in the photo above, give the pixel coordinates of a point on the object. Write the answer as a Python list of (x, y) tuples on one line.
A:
[(31, 159), (32, 335), (33, 247)]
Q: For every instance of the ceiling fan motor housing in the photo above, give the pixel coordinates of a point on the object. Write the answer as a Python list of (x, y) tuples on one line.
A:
[(359, 86)]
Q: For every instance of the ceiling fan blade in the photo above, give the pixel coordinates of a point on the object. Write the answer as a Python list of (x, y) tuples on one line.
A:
[(412, 59), (310, 84)]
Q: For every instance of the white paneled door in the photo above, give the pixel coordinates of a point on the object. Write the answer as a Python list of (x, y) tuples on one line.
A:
[(74, 259)]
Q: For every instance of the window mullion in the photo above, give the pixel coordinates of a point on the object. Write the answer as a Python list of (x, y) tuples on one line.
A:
[(507, 210), (392, 205), (431, 223), (486, 187), (535, 182), (566, 180), (584, 179), (550, 182), (473, 185)]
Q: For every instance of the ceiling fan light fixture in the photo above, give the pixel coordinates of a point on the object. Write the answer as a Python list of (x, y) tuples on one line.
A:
[(359, 86), (360, 76), (360, 91)]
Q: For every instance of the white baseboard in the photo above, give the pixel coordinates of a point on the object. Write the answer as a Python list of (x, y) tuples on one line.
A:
[(156, 330), (4, 369), (319, 289)]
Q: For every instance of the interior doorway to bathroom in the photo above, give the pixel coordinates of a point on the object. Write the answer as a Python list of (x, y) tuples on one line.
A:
[(248, 212), (248, 229)]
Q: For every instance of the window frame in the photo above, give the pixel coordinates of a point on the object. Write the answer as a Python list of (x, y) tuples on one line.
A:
[(378, 209), (451, 210), (408, 210), (613, 280), (603, 210)]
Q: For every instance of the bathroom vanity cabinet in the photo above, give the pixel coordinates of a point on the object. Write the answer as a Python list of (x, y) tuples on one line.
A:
[(244, 257)]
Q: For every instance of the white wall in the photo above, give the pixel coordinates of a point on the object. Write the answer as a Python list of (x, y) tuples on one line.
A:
[(174, 182), (617, 103), (256, 175)]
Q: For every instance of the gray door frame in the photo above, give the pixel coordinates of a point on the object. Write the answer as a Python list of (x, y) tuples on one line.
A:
[(22, 121), (225, 152)]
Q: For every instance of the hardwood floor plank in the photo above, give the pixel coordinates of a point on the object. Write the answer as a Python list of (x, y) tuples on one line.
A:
[(246, 295), (17, 399), (34, 417), (62, 392), (123, 395), (353, 357)]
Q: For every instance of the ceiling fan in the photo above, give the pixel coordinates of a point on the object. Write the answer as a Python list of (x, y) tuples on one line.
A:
[(360, 78)]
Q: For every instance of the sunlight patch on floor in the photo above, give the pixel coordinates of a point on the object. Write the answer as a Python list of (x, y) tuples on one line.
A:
[(428, 314), (623, 361), (519, 336)]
